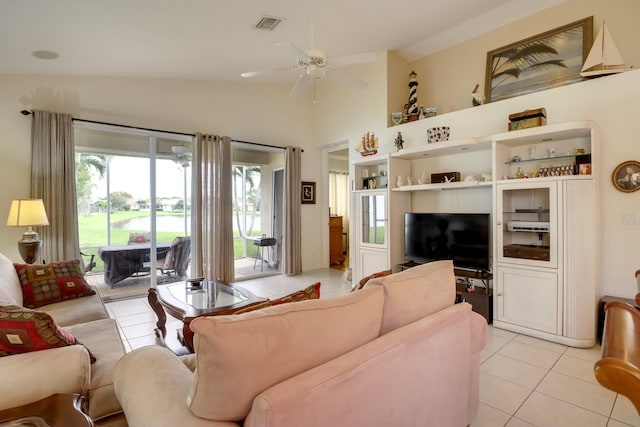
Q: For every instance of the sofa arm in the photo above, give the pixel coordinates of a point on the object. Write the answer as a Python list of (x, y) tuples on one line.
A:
[(152, 385), (479, 336), (29, 377)]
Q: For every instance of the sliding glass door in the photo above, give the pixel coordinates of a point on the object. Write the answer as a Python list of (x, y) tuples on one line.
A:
[(134, 199), (257, 210)]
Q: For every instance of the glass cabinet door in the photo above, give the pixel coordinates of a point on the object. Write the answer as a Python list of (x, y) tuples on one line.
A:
[(527, 224), (374, 219)]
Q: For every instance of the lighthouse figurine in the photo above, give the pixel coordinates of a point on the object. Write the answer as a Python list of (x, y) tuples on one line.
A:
[(412, 104)]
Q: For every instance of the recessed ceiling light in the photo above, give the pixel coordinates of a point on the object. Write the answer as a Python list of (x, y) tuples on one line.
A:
[(45, 54)]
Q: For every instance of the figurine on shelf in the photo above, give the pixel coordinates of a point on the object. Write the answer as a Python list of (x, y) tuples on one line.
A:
[(368, 145), (409, 180), (399, 181), (422, 112), (424, 178), (412, 105), (399, 142), (478, 97)]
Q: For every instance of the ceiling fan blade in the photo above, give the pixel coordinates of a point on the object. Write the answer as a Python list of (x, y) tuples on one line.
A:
[(355, 58), (301, 84), (294, 50), (347, 79), (263, 72)]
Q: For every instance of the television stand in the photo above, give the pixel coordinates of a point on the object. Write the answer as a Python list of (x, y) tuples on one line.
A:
[(407, 265), (480, 297)]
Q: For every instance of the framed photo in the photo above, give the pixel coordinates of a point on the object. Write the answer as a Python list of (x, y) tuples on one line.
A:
[(626, 176), (308, 192), (550, 59), (584, 169)]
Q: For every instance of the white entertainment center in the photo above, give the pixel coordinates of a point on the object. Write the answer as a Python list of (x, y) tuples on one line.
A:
[(544, 228)]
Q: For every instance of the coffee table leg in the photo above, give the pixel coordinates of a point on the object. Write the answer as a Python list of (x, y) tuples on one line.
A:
[(152, 297), (187, 336)]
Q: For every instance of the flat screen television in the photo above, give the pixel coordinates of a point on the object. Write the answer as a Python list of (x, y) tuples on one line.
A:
[(461, 237)]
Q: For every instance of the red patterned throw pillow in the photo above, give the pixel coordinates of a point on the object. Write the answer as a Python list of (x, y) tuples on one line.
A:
[(23, 330), (310, 292), (364, 280), (55, 282)]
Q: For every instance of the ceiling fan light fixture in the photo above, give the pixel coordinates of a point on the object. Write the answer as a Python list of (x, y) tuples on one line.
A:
[(180, 149)]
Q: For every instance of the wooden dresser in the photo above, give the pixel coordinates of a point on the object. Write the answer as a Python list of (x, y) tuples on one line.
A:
[(336, 251)]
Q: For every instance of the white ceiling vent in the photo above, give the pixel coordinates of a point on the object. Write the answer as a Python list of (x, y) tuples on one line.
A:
[(268, 23)]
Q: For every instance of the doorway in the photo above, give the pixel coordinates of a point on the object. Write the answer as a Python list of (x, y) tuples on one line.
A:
[(338, 206)]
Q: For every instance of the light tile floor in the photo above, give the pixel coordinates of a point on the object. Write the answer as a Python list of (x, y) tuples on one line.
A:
[(524, 381)]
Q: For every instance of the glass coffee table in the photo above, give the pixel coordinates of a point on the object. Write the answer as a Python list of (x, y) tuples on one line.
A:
[(185, 303)]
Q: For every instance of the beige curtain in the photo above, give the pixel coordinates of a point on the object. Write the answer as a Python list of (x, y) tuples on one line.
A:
[(211, 209), (292, 246), (53, 179), (339, 196)]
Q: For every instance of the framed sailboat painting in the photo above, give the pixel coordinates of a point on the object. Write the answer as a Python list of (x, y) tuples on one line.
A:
[(550, 59)]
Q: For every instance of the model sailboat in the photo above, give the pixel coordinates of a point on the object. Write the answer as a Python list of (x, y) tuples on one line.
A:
[(604, 57)]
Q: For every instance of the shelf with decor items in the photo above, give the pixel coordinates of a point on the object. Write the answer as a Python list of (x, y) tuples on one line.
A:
[(435, 157), (444, 148), (444, 186), (562, 150)]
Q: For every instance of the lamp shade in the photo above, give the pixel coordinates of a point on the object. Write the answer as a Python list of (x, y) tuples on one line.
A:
[(26, 213)]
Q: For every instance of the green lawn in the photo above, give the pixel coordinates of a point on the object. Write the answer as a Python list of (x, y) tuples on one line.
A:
[(93, 234)]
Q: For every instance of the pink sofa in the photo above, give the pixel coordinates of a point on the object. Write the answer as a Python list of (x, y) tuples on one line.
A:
[(396, 353)]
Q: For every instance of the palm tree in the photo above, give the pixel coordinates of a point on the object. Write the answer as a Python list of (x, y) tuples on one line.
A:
[(85, 163), (249, 175), (528, 57)]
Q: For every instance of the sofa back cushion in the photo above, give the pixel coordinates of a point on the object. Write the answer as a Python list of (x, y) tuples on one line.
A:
[(238, 357), (10, 289), (415, 293)]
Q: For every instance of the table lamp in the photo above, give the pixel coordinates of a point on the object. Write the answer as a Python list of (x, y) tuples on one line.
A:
[(28, 213)]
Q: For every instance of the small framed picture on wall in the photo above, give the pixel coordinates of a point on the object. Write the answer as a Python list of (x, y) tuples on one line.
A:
[(308, 192)]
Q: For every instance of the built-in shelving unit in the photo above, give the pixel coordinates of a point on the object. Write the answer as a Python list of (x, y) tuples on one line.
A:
[(545, 280)]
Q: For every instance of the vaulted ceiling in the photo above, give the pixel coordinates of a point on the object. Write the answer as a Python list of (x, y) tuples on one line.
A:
[(217, 39)]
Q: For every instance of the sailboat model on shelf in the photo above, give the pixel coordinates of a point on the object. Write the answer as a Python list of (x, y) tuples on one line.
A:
[(604, 57), (368, 145)]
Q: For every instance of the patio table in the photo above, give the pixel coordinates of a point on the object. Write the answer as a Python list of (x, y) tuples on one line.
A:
[(122, 261)]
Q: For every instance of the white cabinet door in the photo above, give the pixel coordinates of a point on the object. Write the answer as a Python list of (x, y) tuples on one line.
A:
[(528, 298), (372, 261)]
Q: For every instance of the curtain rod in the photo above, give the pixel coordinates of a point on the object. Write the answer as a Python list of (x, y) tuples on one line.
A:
[(27, 113)]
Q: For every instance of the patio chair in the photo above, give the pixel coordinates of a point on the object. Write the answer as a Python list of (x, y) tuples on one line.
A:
[(178, 257), (88, 265)]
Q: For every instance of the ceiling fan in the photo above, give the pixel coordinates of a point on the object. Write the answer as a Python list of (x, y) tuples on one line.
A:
[(180, 154), (314, 64)]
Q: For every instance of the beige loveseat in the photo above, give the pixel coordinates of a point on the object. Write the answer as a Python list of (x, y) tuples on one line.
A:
[(396, 353), (33, 375)]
